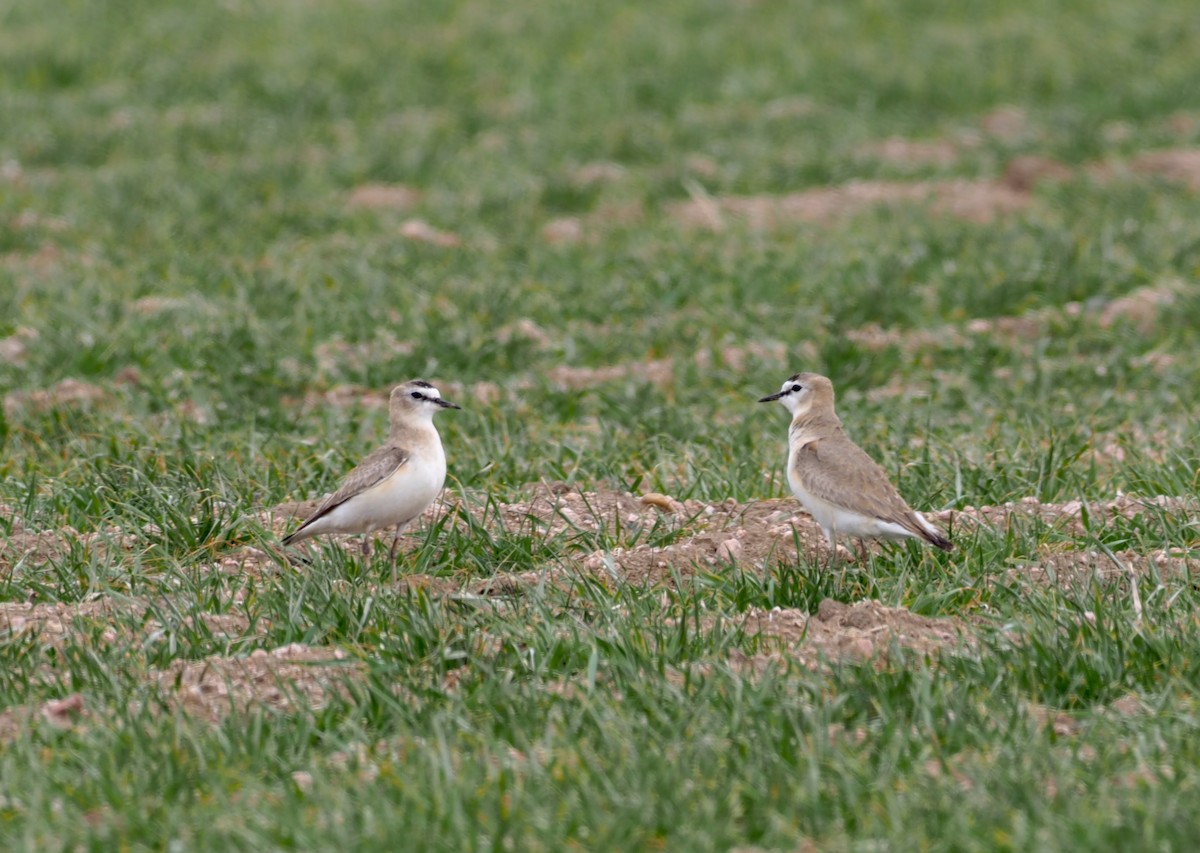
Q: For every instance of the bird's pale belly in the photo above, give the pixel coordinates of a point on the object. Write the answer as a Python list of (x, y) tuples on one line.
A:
[(841, 521), (397, 500)]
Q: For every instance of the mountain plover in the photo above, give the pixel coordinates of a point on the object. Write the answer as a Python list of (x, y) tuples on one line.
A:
[(843, 487), (395, 483)]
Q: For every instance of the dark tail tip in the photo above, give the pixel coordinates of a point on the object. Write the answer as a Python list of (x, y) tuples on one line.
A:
[(940, 542)]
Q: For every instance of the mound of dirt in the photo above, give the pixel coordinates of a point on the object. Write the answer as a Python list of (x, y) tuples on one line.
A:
[(866, 630), (1080, 569), (1072, 517), (976, 201), (288, 678), (55, 624)]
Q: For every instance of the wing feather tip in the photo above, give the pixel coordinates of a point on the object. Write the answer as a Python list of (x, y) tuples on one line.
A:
[(940, 541)]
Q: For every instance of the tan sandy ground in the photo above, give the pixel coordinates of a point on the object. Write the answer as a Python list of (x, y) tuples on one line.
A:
[(705, 538), (698, 535), (293, 679), (865, 630)]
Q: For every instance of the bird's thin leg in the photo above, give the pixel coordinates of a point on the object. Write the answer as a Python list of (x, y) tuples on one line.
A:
[(367, 547), (836, 559), (831, 538), (395, 543), (862, 552), (392, 552)]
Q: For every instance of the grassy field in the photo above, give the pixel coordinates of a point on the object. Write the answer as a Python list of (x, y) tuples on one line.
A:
[(226, 230)]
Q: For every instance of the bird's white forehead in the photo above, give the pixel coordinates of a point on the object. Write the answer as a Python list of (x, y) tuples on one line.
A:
[(427, 390)]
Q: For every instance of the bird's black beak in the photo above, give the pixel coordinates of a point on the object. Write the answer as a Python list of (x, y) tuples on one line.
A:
[(446, 404), (770, 398)]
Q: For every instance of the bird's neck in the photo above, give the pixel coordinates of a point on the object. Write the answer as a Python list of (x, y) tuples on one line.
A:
[(415, 432), (810, 426)]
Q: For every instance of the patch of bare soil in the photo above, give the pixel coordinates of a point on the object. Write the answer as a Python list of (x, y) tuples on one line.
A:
[(679, 538), (1026, 172), (898, 151), (736, 357), (972, 200), (527, 330), (422, 232), (1068, 567), (1082, 569), (42, 547), (66, 713), (699, 537), (383, 197), (55, 624), (1109, 448), (564, 230), (720, 535), (118, 621), (703, 535), (1183, 124), (14, 348), (1068, 517), (659, 371), (289, 678), (1143, 307), (293, 678), (29, 220), (345, 396), (30, 267), (69, 393), (153, 306), (976, 201), (866, 630), (598, 172), (552, 509), (25, 547), (1179, 165), (339, 355), (1007, 123)]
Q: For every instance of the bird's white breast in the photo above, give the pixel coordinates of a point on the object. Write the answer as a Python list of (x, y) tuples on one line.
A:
[(398, 499)]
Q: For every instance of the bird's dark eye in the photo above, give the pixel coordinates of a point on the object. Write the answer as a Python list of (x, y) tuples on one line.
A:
[(795, 388), (417, 395)]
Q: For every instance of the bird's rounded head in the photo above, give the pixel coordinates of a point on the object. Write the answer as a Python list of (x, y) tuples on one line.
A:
[(803, 393)]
